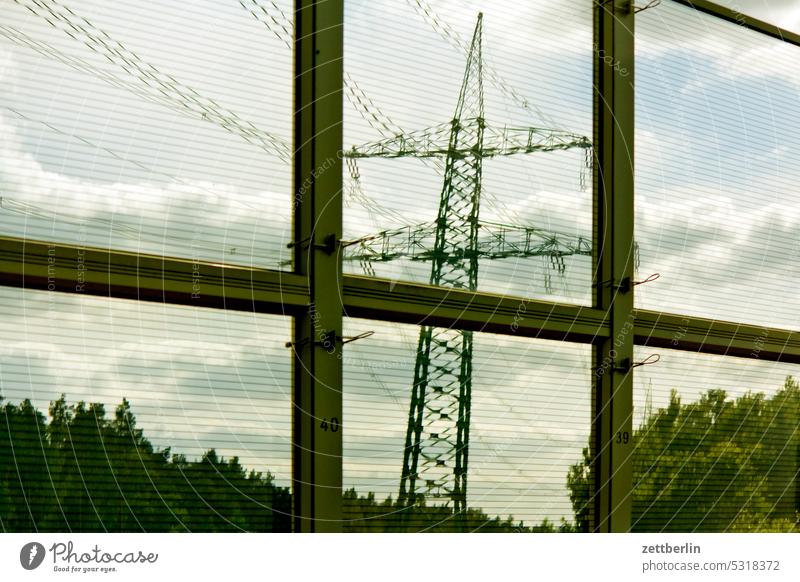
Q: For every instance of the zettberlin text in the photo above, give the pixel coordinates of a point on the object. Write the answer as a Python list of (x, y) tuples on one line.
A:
[(671, 549)]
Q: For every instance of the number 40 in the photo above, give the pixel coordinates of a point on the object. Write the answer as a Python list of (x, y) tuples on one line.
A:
[(333, 425)]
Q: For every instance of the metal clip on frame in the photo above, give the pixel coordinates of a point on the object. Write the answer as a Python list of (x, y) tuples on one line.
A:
[(626, 365), (329, 338), (625, 285), (328, 246), (629, 7)]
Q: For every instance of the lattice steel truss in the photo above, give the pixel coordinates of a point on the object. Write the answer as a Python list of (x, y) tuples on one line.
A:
[(436, 449)]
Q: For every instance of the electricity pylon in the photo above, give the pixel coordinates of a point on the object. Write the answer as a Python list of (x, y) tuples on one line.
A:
[(436, 452), (437, 435)]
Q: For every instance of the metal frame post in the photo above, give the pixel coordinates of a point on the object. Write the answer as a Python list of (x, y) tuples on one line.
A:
[(317, 370), (614, 253)]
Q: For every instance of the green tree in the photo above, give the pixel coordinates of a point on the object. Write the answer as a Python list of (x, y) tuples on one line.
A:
[(713, 465), (83, 472)]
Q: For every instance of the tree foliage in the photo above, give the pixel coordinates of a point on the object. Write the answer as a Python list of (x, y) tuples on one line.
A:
[(81, 471), (717, 464), (366, 514), (714, 465), (84, 472)]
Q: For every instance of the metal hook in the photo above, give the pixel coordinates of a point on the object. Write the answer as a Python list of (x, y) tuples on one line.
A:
[(626, 366), (348, 339), (651, 4), (651, 359), (649, 279), (328, 245)]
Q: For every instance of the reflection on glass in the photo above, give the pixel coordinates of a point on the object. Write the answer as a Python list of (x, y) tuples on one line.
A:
[(717, 167), (128, 417), (161, 130), (492, 181), (716, 446), (427, 455)]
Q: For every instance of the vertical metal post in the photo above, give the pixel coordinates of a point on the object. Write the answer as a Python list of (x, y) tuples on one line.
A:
[(317, 368), (614, 253)]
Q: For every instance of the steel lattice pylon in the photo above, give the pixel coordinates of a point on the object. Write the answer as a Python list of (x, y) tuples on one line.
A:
[(437, 437), (436, 453)]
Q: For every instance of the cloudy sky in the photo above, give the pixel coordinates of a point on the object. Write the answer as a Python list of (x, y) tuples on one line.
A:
[(165, 131), (784, 13)]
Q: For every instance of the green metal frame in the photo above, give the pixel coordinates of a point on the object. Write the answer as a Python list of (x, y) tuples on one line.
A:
[(736, 17), (317, 370), (317, 294), (612, 378), (103, 273)]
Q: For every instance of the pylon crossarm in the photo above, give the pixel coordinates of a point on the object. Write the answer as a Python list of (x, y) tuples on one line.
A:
[(506, 141), (497, 141), (495, 241), (430, 142)]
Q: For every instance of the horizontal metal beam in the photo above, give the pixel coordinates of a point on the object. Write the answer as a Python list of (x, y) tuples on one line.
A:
[(737, 17), (423, 304), (106, 273), (708, 336)]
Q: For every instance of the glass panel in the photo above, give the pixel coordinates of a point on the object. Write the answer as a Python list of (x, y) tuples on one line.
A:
[(716, 445), (125, 416), (525, 418), (784, 14), (452, 113), (717, 167), (157, 129)]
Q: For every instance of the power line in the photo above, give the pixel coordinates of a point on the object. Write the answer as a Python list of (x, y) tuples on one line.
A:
[(451, 35), (162, 85)]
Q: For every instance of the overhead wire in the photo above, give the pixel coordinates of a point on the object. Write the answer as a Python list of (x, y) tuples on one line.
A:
[(24, 208), (163, 85)]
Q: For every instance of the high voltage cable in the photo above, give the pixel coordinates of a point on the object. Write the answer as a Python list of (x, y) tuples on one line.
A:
[(114, 154), (27, 209), (424, 9), (178, 94), (18, 37), (166, 87), (277, 22), (170, 92)]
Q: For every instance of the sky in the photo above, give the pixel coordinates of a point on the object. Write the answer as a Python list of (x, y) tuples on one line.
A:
[(171, 142), (783, 13)]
